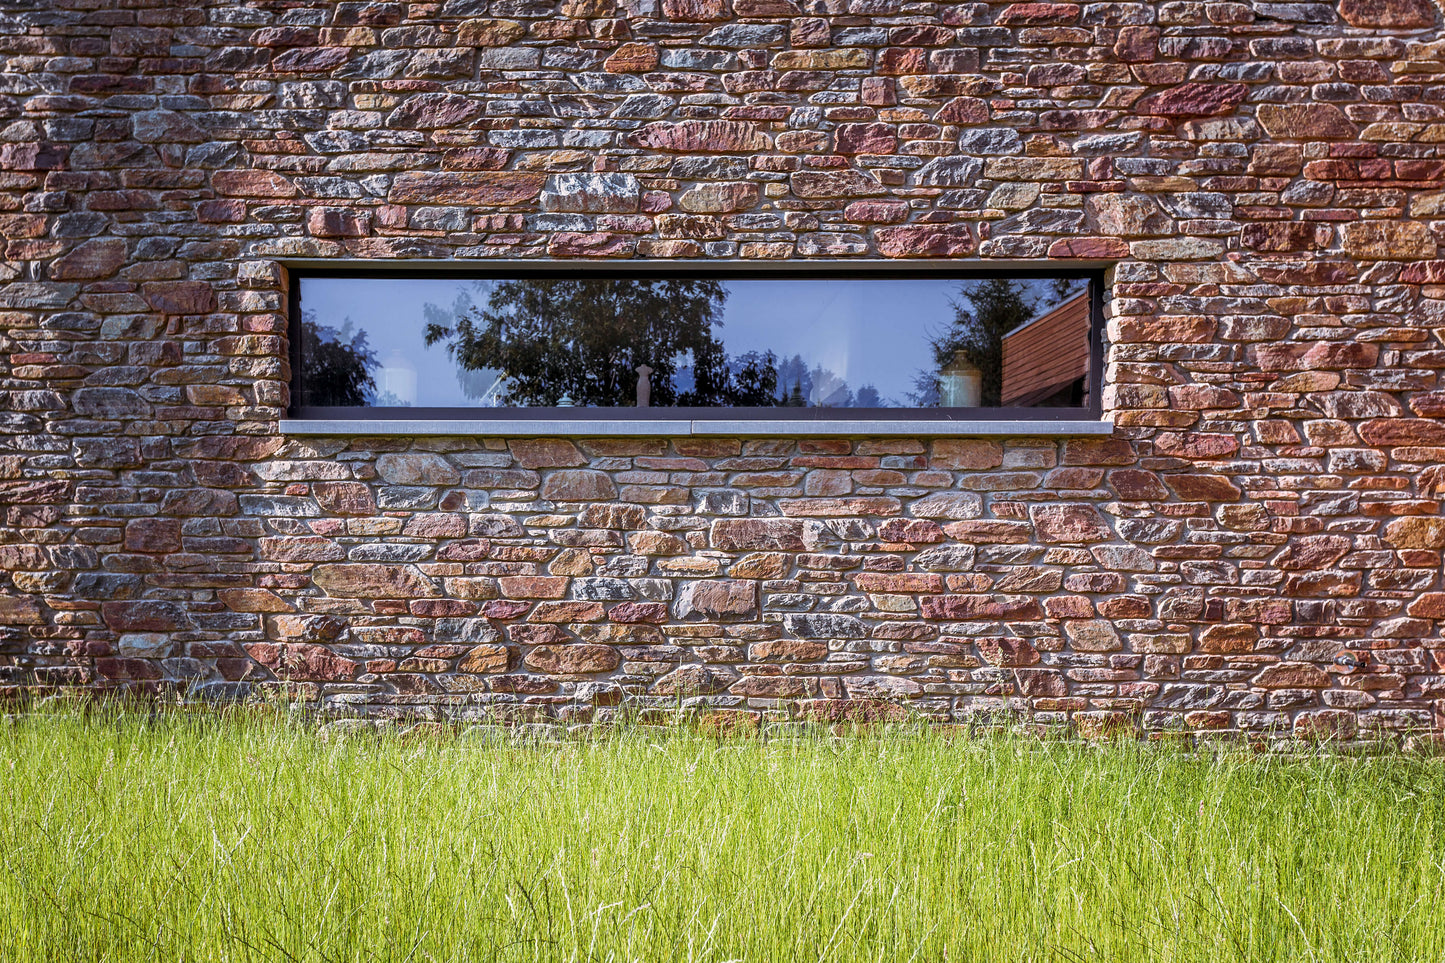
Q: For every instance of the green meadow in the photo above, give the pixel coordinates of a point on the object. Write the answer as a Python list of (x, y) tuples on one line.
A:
[(251, 836)]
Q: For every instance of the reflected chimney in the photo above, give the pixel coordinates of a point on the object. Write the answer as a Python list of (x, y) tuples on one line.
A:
[(960, 384), (397, 379)]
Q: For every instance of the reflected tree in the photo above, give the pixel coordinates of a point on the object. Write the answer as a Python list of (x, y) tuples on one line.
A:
[(803, 386), (583, 339), (475, 385), (983, 313), (336, 364), (754, 379), (868, 397), (796, 381), (829, 390)]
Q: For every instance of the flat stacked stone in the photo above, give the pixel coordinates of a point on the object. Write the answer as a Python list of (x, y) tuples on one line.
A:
[(1256, 550)]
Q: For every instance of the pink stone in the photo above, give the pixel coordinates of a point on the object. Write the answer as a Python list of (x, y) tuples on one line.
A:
[(754, 534), (1008, 652), (1091, 248), (839, 183), (546, 453), (1292, 675), (925, 240), (721, 599), (964, 110), (302, 661), (578, 485), (1034, 14), (477, 188), (876, 212), (865, 139), (634, 612), (337, 222), (181, 297), (1069, 524), (1423, 272), (90, 260), (695, 11), (1195, 100), (575, 659), (963, 607), (917, 531), (160, 535), (1312, 552), (590, 244), (1203, 487), (701, 136), (1305, 122), (632, 58), (251, 183), (1389, 14)]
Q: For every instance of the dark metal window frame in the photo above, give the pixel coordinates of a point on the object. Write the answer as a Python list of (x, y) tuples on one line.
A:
[(552, 270)]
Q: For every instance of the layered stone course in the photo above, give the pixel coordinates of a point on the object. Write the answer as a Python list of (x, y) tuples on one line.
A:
[(1256, 550)]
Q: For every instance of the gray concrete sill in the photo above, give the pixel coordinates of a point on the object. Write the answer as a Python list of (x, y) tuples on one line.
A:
[(621, 427)]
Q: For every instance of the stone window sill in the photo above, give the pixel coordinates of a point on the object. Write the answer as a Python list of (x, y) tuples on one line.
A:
[(554, 428)]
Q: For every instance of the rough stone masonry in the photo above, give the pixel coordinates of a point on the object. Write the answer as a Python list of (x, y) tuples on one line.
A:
[(1256, 550)]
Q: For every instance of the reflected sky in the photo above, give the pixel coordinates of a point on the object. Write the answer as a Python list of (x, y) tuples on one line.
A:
[(872, 331)]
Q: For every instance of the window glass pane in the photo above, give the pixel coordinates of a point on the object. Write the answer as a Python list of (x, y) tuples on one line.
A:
[(835, 342)]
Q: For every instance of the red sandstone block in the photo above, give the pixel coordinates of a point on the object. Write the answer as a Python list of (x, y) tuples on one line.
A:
[(962, 607), (1033, 14), (632, 58), (1008, 652), (157, 535), (1194, 100), (769, 687), (112, 668), (701, 136), (1196, 445), (1392, 432), (752, 534), (473, 188), (181, 297), (899, 582), (557, 612), (865, 139), (787, 650), (302, 661), (635, 612), (33, 156), (574, 659), (1429, 605), (925, 240), (986, 532), (441, 608), (1069, 607), (915, 531), (1202, 487), (338, 222), (866, 505), (1292, 675), (303, 548), (546, 453), (534, 586)]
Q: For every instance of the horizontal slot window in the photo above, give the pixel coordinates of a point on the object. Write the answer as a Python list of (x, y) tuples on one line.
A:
[(848, 345)]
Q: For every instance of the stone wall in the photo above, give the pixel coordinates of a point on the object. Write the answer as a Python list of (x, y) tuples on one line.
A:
[(1256, 549)]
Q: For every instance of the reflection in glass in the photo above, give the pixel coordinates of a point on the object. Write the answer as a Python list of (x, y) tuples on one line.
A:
[(693, 343)]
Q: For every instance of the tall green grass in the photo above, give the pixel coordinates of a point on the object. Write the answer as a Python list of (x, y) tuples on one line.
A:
[(237, 837)]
